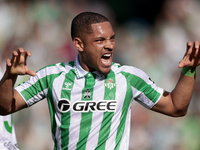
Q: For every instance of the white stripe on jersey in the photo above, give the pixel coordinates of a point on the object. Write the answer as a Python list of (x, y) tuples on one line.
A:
[(120, 98), (96, 118), (74, 127), (125, 139), (58, 82)]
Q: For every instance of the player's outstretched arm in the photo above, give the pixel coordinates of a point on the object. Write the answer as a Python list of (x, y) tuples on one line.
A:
[(10, 100), (176, 103)]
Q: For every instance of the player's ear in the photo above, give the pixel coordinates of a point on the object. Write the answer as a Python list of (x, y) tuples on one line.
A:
[(78, 44)]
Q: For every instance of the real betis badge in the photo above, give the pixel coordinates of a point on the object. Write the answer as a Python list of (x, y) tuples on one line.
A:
[(110, 84)]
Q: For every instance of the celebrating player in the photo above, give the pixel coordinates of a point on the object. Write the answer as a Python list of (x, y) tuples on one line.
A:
[(89, 98)]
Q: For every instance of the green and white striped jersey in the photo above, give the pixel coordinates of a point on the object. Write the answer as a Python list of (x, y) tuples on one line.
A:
[(89, 110)]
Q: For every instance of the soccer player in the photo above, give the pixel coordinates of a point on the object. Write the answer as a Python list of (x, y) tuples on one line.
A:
[(89, 98), (8, 139)]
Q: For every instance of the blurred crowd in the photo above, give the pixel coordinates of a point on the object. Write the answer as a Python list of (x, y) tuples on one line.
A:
[(43, 27)]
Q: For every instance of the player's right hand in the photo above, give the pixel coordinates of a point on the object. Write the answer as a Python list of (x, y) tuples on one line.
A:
[(17, 64)]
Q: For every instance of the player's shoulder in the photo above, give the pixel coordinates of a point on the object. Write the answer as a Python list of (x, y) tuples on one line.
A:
[(130, 72), (118, 68), (57, 67)]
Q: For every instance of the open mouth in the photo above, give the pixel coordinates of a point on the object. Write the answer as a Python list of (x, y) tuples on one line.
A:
[(106, 59), (106, 56)]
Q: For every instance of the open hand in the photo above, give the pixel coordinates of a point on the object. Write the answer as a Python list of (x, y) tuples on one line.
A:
[(17, 64), (192, 55)]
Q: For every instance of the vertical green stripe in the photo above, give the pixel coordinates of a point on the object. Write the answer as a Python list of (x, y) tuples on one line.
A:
[(123, 117), (110, 92), (40, 85), (7, 126), (49, 79), (86, 118), (65, 117)]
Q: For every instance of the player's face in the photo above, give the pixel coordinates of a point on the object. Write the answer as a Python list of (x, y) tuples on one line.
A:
[(99, 48)]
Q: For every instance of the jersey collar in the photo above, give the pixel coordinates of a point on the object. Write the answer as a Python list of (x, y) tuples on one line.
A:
[(80, 72)]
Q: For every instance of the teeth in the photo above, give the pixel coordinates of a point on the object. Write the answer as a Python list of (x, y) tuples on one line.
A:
[(107, 55)]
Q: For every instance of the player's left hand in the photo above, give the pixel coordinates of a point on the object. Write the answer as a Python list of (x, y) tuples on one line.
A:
[(192, 55)]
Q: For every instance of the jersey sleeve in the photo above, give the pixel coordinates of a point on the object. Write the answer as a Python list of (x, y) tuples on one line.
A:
[(33, 90), (145, 91)]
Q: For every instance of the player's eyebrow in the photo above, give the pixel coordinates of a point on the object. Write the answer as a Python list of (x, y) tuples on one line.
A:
[(112, 37), (103, 38), (100, 39)]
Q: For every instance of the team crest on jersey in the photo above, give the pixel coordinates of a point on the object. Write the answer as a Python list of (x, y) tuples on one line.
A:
[(87, 94), (110, 84), (67, 86)]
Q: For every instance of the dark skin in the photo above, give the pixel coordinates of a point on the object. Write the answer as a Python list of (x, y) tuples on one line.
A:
[(95, 46), (96, 53), (176, 103)]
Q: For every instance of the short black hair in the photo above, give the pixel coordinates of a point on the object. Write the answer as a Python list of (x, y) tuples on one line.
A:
[(81, 24)]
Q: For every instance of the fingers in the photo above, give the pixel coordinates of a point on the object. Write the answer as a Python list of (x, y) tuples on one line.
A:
[(197, 55), (195, 50), (192, 55), (186, 55), (19, 55), (17, 64), (189, 45), (8, 62), (181, 64), (31, 73), (189, 49)]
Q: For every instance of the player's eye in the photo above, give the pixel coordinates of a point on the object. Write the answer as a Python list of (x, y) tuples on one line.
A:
[(100, 40), (112, 37)]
